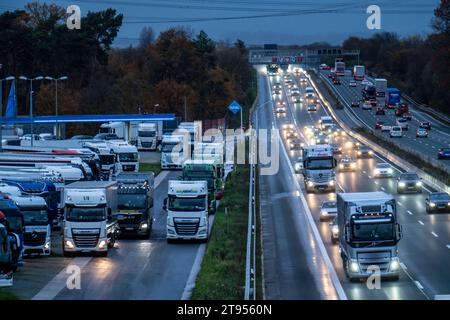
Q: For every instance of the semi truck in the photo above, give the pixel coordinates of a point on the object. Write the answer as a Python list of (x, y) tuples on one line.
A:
[(359, 72), (194, 170), (392, 99), (381, 86), (339, 67), (402, 108), (172, 151), (37, 233), (326, 123), (187, 210), (135, 203), (368, 234), (126, 156), (318, 168), (147, 136), (89, 225)]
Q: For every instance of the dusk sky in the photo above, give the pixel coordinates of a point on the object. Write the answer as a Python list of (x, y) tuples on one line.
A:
[(263, 21)]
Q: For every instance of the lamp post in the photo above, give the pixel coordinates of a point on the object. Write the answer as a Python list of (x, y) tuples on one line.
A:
[(31, 103), (1, 109), (56, 99)]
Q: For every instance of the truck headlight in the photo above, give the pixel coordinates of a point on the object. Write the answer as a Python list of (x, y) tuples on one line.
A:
[(102, 244), (390, 171), (169, 222), (47, 245), (310, 184), (323, 212), (432, 204), (341, 166), (394, 264), (69, 244), (401, 184), (354, 267), (419, 183), (331, 183), (376, 171), (144, 226), (370, 152), (448, 204), (353, 165), (335, 229)]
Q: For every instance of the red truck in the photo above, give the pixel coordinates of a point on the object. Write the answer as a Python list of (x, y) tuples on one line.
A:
[(401, 109)]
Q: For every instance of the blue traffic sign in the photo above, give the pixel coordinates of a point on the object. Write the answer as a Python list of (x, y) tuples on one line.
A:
[(234, 107)]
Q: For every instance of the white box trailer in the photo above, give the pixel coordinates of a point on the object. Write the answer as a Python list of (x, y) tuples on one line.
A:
[(380, 87)]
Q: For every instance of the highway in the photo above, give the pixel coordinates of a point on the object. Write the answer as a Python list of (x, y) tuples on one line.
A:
[(438, 137), (424, 250)]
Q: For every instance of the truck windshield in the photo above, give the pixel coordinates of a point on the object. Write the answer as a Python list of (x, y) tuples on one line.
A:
[(319, 164), (373, 231), (106, 159), (146, 134), (131, 201), (187, 204), (204, 176), (128, 157), (168, 147), (35, 217), (85, 214)]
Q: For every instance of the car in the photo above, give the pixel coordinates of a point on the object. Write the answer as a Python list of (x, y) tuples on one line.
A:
[(444, 153), (328, 210), (352, 83), (365, 82), (337, 149), (373, 102), (347, 164), (27, 137), (364, 152), (295, 145), (383, 170), (331, 75), (337, 132), (437, 202), (81, 137), (425, 125), (312, 107), (288, 126), (355, 104), (106, 136), (336, 81), (407, 116), (379, 124), (403, 123), (324, 66), (396, 132), (321, 139), (409, 182), (386, 127), (334, 231), (281, 103), (380, 111), (280, 111), (47, 136), (303, 80), (366, 106), (291, 134), (421, 133), (298, 165)]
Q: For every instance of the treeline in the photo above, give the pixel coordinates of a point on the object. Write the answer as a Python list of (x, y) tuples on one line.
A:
[(419, 66), (163, 74)]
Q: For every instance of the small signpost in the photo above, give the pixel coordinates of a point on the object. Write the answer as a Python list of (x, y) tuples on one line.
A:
[(235, 108)]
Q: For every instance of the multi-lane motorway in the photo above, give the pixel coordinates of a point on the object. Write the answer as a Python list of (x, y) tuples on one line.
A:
[(290, 247), (438, 137)]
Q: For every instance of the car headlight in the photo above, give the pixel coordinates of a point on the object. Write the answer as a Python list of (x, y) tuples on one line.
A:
[(376, 171), (359, 152), (395, 265), (102, 244), (354, 267), (401, 184), (69, 244), (432, 204), (419, 183)]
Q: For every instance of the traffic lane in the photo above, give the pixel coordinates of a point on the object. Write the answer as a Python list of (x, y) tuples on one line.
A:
[(290, 271), (139, 269)]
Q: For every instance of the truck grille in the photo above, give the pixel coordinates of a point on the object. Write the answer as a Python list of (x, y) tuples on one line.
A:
[(86, 240), (130, 219), (322, 178), (186, 228), (381, 259), (146, 144), (34, 239), (128, 168)]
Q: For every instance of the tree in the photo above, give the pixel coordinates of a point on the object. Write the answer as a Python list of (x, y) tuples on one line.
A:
[(441, 20), (146, 37)]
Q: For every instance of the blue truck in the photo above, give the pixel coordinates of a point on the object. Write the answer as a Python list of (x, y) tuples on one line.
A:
[(393, 96)]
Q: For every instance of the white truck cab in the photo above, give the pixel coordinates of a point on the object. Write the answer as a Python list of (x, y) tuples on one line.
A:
[(172, 151), (88, 217), (326, 123), (147, 136), (127, 157), (37, 233), (187, 210)]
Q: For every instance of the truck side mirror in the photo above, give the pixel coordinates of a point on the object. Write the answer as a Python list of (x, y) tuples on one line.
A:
[(347, 233), (399, 234), (165, 204)]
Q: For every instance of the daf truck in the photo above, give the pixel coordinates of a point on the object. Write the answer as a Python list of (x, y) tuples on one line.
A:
[(89, 225), (368, 234), (147, 136), (187, 210), (172, 155), (318, 168)]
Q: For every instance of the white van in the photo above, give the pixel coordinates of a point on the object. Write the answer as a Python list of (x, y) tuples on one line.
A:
[(396, 132)]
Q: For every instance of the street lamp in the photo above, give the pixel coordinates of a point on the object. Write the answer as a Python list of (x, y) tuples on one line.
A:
[(1, 108), (31, 102), (56, 100)]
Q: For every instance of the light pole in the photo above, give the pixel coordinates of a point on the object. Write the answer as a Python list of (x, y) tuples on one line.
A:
[(31, 103), (56, 100), (1, 109)]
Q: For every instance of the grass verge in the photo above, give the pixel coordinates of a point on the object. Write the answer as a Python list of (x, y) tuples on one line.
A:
[(155, 167), (4, 295), (222, 274)]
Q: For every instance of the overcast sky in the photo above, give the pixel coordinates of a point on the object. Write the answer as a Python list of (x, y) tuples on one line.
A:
[(260, 21)]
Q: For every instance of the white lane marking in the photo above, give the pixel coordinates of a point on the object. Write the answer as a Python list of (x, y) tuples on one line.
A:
[(369, 176), (409, 212), (59, 282), (340, 186), (160, 178), (399, 203), (442, 297), (434, 234), (403, 266), (418, 285), (376, 182), (382, 188), (421, 222), (448, 246), (433, 147), (364, 172)]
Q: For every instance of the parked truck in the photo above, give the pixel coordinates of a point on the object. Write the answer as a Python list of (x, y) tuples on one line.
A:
[(89, 225), (172, 151), (187, 210), (135, 203), (359, 72), (368, 234), (392, 99), (147, 136), (380, 86), (318, 168)]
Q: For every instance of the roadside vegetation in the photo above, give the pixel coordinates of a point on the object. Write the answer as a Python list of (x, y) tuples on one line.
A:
[(155, 167), (222, 273), (4, 295)]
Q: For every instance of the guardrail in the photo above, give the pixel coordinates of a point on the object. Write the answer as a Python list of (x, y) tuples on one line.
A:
[(378, 149)]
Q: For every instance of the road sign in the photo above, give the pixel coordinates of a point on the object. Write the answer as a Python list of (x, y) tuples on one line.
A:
[(234, 107)]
